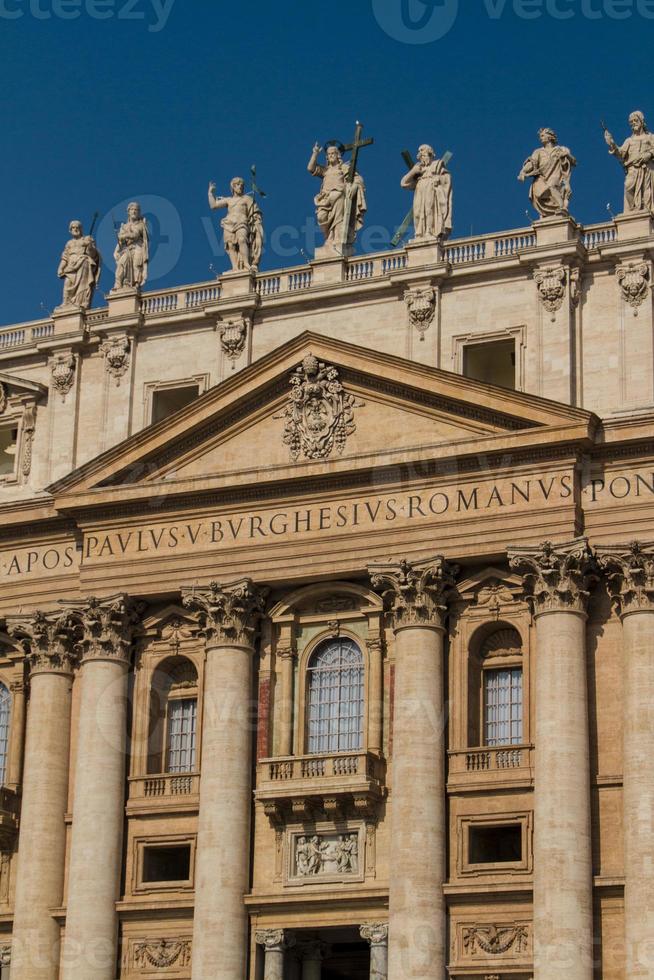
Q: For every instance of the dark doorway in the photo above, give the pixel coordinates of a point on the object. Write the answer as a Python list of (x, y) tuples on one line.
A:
[(348, 961)]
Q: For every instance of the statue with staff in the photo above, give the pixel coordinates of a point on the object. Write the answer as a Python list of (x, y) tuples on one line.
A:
[(242, 225), (431, 183), (80, 267), (637, 158), (341, 201)]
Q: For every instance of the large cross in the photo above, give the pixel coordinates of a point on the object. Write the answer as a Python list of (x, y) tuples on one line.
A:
[(353, 147)]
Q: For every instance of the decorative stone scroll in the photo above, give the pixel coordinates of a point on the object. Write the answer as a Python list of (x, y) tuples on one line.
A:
[(49, 640), (633, 279), (229, 614), (274, 940), (421, 307), (107, 626), (550, 282), (162, 954), (116, 353), (320, 413), (62, 372), (3, 398), (630, 575), (376, 933), (556, 577), (495, 940), (233, 337), (415, 596)]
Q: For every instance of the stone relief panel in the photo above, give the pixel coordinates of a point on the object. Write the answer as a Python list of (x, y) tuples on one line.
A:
[(326, 855), (484, 944), (160, 957)]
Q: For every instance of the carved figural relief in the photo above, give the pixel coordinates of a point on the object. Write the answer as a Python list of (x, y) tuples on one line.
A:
[(80, 268), (341, 203), (637, 158), (116, 354), (233, 336), (132, 252), (550, 167), (550, 282), (495, 940), (319, 414), (431, 183), (633, 279), (62, 372), (421, 306), (326, 854), (242, 225), (163, 953)]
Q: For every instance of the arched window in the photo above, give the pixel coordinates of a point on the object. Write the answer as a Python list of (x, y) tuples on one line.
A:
[(5, 719), (173, 717), (502, 683), (335, 697)]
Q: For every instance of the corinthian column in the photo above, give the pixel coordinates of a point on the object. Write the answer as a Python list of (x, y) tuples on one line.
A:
[(557, 582), (417, 912), (377, 935), (631, 583), (90, 943), (228, 616), (42, 840)]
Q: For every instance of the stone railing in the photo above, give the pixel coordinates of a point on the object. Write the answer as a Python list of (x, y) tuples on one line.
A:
[(167, 786), (28, 333), (499, 762), (594, 236), (186, 298), (465, 251), (320, 766)]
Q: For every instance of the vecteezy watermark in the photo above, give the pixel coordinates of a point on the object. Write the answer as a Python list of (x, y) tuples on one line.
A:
[(426, 21), (153, 13)]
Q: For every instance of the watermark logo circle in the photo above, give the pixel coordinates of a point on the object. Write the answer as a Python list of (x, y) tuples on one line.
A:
[(416, 21), (164, 226)]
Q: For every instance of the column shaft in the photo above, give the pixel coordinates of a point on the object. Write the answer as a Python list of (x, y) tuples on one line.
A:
[(223, 853), (638, 715), (375, 695), (417, 914), (42, 841), (286, 713), (379, 963), (274, 964), (98, 817), (563, 884), (17, 736)]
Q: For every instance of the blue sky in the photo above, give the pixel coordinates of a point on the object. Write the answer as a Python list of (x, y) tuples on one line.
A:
[(100, 111)]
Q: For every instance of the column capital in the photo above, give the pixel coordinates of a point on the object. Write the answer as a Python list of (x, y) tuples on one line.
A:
[(107, 626), (48, 640), (376, 933), (416, 594), (629, 571), (556, 578), (274, 940), (314, 949), (228, 613)]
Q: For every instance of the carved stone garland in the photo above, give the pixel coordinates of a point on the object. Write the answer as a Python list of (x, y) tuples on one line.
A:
[(551, 288), (556, 576), (633, 279), (163, 953), (416, 597), (421, 307), (495, 940), (319, 415), (228, 613)]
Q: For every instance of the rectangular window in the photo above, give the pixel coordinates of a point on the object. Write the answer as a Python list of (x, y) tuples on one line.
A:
[(8, 447), (492, 362), (166, 863), (182, 720), (503, 706), (495, 845), (167, 401)]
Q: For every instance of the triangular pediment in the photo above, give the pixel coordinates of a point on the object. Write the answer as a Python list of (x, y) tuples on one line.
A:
[(347, 409), (11, 387)]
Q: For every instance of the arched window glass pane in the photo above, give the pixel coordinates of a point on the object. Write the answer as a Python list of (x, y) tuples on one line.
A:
[(335, 686), (5, 718), (503, 706), (182, 716)]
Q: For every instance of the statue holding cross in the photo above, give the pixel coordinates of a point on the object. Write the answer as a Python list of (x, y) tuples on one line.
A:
[(341, 203)]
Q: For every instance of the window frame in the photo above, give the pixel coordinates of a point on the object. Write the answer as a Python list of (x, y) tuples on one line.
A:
[(4, 763), (139, 886), (177, 696), (490, 667), (466, 823), (151, 387), (518, 334)]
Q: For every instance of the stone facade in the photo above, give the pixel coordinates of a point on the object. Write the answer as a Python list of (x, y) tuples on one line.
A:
[(343, 667)]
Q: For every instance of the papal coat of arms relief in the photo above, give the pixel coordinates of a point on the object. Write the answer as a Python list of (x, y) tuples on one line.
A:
[(319, 414)]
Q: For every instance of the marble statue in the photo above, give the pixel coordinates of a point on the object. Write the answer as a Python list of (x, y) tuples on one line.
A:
[(637, 157), (79, 268), (242, 225), (132, 250), (550, 167), (341, 202), (431, 183)]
